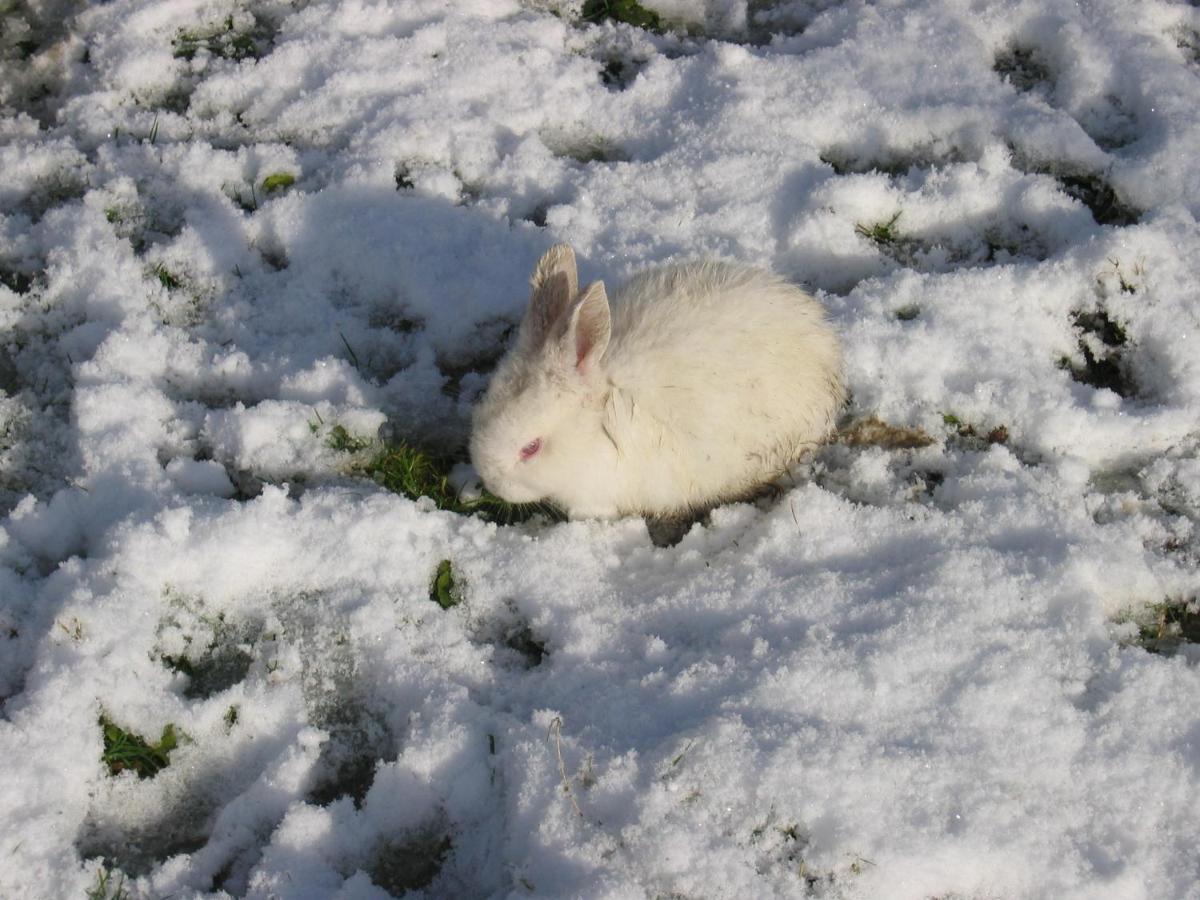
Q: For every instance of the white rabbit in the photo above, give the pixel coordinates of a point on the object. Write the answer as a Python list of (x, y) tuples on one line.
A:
[(703, 381)]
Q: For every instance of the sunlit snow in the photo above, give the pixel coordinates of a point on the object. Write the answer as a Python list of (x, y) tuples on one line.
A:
[(921, 668)]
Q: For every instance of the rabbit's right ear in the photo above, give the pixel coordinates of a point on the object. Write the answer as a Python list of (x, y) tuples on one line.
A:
[(555, 284), (589, 327)]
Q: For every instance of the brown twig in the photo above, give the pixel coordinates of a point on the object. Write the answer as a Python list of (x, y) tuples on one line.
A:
[(556, 731)]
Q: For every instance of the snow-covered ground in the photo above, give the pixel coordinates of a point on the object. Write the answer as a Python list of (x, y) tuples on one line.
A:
[(917, 672)]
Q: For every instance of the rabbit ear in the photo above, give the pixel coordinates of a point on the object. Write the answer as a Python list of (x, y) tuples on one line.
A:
[(589, 328), (555, 284)]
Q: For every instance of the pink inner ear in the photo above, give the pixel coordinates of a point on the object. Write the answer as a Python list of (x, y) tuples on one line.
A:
[(583, 346), (591, 326)]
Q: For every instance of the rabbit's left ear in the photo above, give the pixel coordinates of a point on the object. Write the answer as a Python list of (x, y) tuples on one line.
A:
[(555, 284), (589, 327)]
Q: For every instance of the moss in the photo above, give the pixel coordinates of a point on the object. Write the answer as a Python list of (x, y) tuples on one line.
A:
[(628, 11), (277, 182), (443, 591)]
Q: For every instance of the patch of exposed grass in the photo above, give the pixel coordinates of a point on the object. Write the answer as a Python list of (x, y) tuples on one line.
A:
[(407, 470), (617, 74), (1105, 205), (106, 888), (628, 11), (221, 665), (245, 195), (225, 41), (404, 866), (786, 844), (908, 312), (1128, 281), (414, 473), (186, 301), (842, 164), (1163, 627), (1102, 341), (17, 282), (903, 248), (1022, 67), (1091, 188), (1110, 332), (880, 232), (126, 750), (893, 162), (166, 277), (212, 651), (343, 441)]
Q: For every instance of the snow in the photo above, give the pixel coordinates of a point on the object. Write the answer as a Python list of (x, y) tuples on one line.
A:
[(914, 672)]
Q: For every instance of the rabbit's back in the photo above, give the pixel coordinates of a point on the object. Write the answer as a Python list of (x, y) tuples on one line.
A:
[(722, 375)]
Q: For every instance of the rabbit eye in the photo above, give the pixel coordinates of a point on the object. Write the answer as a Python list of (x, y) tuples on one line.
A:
[(530, 450)]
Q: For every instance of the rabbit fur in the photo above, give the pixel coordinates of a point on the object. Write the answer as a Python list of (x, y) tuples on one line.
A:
[(700, 382)]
